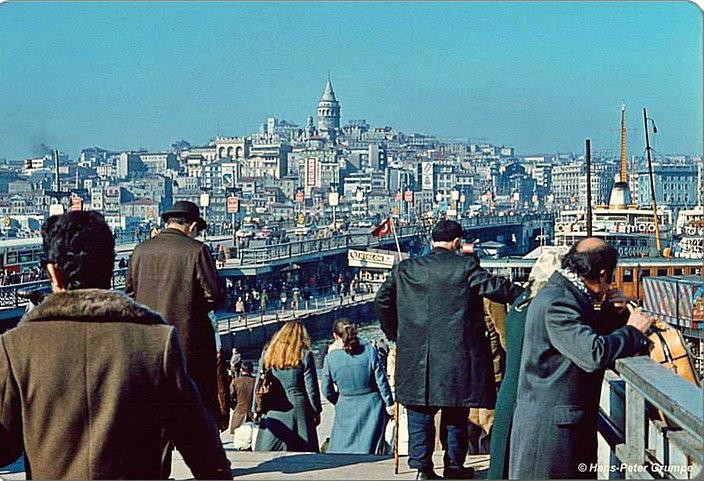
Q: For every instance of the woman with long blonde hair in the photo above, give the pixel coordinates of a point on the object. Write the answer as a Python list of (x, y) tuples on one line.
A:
[(293, 403)]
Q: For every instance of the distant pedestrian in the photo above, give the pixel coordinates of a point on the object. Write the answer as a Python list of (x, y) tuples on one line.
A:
[(284, 299), (263, 301), (295, 298), (175, 274), (235, 362), (241, 395), (356, 383), (122, 264), (111, 377), (290, 423), (239, 308)]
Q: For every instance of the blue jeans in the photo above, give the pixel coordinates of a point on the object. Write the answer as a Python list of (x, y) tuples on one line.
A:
[(421, 436)]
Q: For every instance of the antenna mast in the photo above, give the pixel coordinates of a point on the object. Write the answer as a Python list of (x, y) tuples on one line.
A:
[(648, 149)]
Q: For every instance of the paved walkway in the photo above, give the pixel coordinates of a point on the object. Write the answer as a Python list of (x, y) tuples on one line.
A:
[(279, 465)]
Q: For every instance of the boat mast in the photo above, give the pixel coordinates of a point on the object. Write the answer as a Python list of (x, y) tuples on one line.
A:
[(624, 157), (589, 186), (648, 150)]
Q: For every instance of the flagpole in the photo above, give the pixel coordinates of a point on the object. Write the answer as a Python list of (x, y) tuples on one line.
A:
[(398, 246)]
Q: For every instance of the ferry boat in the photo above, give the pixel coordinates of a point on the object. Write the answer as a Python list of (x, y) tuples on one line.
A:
[(628, 228), (689, 232)]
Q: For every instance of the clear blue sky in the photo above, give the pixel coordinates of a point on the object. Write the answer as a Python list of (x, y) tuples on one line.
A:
[(537, 76)]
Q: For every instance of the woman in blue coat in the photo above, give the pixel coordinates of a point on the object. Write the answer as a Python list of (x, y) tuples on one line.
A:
[(355, 382)]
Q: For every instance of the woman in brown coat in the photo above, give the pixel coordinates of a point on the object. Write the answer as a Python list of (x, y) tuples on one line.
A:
[(241, 393)]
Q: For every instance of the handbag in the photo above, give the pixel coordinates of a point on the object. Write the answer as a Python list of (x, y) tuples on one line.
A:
[(264, 392)]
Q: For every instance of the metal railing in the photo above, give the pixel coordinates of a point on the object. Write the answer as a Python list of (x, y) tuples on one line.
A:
[(264, 255), (640, 444), (232, 322), (9, 297)]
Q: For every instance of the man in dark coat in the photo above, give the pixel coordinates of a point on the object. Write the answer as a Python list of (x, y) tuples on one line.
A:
[(432, 307), (567, 346), (89, 379), (175, 275)]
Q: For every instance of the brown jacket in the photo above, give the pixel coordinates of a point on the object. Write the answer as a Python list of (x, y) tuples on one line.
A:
[(88, 379), (176, 276), (241, 395)]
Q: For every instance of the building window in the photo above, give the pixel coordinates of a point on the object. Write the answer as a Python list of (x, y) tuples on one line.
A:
[(662, 272), (678, 272), (628, 275)]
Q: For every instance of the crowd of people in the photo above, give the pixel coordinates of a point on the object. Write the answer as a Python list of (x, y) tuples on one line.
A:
[(33, 274), (147, 373)]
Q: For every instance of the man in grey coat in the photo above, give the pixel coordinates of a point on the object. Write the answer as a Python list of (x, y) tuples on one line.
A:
[(568, 345), (432, 307)]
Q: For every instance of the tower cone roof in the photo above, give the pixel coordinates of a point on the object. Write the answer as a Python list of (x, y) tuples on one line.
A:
[(328, 94)]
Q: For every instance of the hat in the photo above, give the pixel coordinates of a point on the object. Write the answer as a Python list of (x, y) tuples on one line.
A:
[(446, 231), (189, 210)]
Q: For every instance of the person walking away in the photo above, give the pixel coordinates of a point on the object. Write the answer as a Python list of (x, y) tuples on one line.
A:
[(354, 381), (263, 300), (110, 376), (241, 396), (431, 306), (239, 309), (295, 299), (545, 265), (567, 347), (175, 275), (283, 298), (235, 362), (294, 404)]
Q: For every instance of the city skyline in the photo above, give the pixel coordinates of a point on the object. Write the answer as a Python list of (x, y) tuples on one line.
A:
[(123, 76)]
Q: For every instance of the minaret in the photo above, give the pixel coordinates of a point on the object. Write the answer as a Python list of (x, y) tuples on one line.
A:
[(328, 113), (621, 193)]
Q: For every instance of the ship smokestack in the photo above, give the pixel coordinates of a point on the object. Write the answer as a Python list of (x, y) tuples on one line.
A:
[(621, 193)]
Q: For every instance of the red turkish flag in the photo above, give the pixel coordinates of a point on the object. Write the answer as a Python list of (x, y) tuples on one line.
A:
[(382, 229)]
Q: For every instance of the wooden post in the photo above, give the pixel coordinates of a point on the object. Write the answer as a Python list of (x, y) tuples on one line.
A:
[(635, 430)]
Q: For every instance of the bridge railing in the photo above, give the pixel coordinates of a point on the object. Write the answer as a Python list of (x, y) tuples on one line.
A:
[(263, 255), (635, 441), (9, 297)]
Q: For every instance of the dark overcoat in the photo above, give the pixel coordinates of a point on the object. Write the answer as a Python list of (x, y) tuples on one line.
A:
[(176, 276), (241, 397), (506, 400), (432, 307), (566, 348), (88, 381)]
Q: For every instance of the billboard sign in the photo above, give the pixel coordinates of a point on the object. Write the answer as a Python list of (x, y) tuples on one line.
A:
[(372, 260), (233, 205)]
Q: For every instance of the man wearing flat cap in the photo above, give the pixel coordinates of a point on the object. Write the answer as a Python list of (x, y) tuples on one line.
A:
[(432, 307), (175, 275)]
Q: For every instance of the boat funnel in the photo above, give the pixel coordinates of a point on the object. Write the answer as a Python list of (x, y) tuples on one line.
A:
[(620, 196)]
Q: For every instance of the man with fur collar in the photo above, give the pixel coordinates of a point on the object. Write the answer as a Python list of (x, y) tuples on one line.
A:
[(89, 378)]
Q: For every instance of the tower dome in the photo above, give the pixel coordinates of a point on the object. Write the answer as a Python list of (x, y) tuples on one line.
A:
[(328, 113)]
